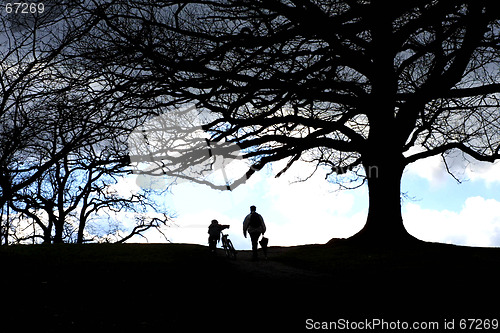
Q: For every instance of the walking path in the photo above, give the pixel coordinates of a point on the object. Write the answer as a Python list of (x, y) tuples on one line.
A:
[(272, 268)]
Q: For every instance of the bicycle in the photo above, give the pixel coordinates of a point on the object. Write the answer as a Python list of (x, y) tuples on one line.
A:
[(228, 246)]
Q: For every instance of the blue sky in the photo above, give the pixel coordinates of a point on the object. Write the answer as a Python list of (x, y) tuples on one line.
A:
[(437, 208), (445, 211)]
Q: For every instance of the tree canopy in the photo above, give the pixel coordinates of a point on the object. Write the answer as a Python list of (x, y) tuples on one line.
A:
[(344, 84)]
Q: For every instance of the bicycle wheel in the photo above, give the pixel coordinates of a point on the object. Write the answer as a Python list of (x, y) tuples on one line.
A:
[(231, 252)]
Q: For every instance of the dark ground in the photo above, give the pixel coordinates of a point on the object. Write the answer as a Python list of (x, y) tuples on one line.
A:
[(182, 288)]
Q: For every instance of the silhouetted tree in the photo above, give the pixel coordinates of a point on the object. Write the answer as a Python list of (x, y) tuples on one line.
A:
[(344, 84), (63, 130), (30, 62), (75, 201)]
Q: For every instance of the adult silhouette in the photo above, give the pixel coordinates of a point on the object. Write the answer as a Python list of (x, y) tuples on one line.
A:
[(255, 226)]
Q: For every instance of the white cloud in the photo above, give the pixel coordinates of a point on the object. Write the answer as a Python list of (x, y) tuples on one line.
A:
[(477, 224), (461, 165), (313, 211), (432, 168), (489, 172), (125, 186), (316, 194)]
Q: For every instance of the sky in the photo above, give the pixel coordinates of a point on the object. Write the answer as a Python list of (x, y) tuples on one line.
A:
[(435, 207)]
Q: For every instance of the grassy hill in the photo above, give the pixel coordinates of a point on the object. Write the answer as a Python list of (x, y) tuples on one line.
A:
[(183, 288)]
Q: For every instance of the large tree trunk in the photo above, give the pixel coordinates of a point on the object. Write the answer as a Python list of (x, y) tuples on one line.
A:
[(58, 234), (47, 235), (384, 224), (81, 228)]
